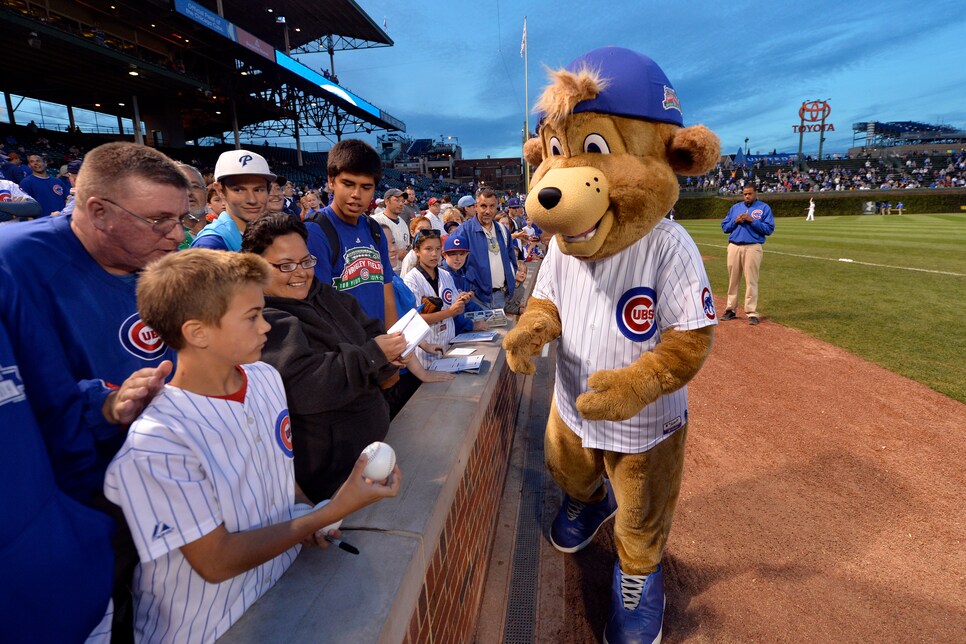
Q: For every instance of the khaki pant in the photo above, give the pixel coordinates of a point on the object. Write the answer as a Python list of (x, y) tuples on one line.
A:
[(745, 260), (646, 487)]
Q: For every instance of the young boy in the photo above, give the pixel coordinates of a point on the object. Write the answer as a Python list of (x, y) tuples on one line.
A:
[(242, 180), (362, 266), (205, 476), (455, 251)]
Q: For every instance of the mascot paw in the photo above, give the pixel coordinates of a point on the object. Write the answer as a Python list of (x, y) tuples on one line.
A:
[(520, 344), (615, 395)]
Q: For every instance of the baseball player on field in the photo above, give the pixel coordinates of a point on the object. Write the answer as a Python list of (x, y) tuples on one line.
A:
[(205, 476)]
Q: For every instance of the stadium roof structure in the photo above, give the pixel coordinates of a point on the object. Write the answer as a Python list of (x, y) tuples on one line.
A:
[(308, 22), (891, 133), (189, 71)]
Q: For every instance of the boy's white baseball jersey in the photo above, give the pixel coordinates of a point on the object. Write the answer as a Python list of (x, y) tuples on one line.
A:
[(614, 310), (444, 331), (189, 464)]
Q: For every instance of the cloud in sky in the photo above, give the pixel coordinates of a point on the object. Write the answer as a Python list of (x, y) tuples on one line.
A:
[(743, 68)]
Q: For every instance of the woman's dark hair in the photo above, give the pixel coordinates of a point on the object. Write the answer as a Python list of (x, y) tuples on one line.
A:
[(261, 233)]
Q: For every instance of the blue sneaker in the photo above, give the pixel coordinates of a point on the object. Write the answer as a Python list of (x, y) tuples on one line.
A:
[(637, 608), (577, 523)]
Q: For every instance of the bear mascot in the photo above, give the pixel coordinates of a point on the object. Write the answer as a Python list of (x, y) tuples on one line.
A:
[(625, 292)]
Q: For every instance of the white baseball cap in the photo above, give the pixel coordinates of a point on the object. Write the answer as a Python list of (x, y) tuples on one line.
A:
[(237, 162)]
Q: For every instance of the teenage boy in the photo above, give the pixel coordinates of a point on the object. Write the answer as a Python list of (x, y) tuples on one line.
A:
[(205, 476), (361, 266), (242, 178)]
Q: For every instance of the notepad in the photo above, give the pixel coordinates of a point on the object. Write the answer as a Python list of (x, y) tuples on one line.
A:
[(474, 336), (461, 351), (414, 329), (464, 364)]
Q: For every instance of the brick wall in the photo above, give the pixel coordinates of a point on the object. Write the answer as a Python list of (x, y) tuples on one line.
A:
[(453, 586)]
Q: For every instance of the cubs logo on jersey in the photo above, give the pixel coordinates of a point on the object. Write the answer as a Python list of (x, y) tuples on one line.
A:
[(283, 433), (139, 339), (757, 213), (708, 303), (448, 296), (636, 313)]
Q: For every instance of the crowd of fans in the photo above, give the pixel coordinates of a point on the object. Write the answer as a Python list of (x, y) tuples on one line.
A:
[(900, 172), (95, 291)]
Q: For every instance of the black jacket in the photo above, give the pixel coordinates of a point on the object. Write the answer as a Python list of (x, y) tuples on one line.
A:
[(331, 367)]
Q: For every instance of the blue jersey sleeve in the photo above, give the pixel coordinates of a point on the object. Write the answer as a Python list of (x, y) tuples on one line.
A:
[(211, 242)]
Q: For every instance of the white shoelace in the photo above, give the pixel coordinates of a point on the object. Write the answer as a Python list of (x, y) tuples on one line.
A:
[(574, 508), (632, 587)]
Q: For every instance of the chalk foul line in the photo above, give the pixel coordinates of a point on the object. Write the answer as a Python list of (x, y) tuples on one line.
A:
[(849, 261)]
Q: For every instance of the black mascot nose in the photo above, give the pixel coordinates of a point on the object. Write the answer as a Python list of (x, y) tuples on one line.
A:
[(549, 197)]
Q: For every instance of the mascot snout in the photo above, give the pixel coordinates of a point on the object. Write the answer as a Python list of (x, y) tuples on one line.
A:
[(573, 202)]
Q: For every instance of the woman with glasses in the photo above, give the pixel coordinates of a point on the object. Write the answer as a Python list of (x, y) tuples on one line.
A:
[(332, 358)]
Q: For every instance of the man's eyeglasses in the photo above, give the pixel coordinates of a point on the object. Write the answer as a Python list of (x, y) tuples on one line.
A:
[(427, 233), (307, 263), (161, 225)]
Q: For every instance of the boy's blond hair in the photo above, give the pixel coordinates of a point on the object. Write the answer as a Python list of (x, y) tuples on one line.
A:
[(194, 284)]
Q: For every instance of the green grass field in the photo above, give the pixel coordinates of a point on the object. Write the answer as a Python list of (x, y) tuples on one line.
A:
[(909, 321)]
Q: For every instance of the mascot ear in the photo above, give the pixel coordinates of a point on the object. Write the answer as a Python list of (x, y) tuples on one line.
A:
[(693, 150), (533, 151)]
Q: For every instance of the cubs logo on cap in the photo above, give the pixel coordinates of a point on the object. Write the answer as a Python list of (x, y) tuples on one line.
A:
[(283, 433), (708, 303), (139, 339), (636, 86), (637, 314), (456, 243)]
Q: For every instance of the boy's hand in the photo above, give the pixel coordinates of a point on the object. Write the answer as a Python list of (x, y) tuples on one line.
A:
[(457, 307), (392, 345), (357, 492), (124, 404), (432, 348), (481, 325)]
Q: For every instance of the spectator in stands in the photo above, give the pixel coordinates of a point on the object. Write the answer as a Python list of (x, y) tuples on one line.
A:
[(395, 201), (410, 260), (214, 202), (452, 220), (409, 209), (198, 519), (292, 205), (243, 179), (196, 204), (433, 213), (15, 204), (82, 272), (360, 264), (321, 340), (48, 191), (467, 207), (12, 168), (491, 268), (72, 169), (311, 205), (276, 201)]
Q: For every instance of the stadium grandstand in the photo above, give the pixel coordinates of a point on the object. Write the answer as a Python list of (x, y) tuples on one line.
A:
[(878, 134), (189, 72)]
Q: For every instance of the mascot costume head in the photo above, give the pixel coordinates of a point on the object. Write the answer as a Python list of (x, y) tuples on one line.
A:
[(625, 292)]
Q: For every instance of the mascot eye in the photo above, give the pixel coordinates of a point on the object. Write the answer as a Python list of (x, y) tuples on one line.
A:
[(555, 148), (595, 144)]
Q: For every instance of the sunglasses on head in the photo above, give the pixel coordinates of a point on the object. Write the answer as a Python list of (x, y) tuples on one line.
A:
[(427, 233)]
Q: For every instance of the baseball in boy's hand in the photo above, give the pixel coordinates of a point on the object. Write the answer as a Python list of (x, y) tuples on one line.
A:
[(381, 460)]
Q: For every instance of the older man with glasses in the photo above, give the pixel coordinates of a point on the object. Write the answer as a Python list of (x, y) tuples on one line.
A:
[(75, 277)]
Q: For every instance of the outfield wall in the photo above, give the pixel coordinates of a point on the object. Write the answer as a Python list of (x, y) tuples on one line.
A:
[(794, 204)]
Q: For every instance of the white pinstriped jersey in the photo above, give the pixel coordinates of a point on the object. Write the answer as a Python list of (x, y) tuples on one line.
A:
[(613, 311), (442, 332), (189, 464)]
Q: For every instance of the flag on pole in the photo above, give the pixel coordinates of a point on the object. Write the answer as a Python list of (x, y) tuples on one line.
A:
[(523, 43), (385, 27)]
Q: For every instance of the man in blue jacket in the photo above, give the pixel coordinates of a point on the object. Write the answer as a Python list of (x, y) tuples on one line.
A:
[(746, 224), (491, 268)]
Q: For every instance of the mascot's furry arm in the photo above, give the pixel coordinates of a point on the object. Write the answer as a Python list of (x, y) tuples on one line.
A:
[(620, 394), (538, 325)]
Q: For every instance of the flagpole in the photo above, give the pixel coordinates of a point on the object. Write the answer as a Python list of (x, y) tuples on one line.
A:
[(526, 106)]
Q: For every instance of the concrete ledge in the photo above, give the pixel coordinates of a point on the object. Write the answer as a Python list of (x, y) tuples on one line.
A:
[(420, 573)]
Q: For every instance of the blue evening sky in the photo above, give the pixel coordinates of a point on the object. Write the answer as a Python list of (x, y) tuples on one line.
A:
[(742, 68)]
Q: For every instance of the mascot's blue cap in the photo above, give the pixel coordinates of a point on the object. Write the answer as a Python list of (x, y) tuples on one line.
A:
[(637, 87)]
